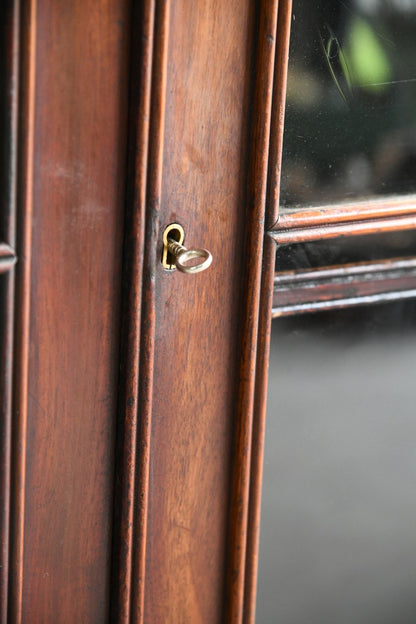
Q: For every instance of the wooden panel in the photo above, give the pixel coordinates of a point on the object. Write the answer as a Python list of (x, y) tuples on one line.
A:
[(341, 286), (204, 174), (74, 78), (194, 388)]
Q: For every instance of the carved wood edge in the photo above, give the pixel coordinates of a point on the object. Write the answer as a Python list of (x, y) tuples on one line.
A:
[(266, 295), (341, 221), (334, 287), (240, 575), (150, 35), (345, 220), (278, 112), (257, 450), (25, 32)]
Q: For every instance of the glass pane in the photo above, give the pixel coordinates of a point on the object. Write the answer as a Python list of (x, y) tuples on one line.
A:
[(350, 249), (351, 101), (338, 532)]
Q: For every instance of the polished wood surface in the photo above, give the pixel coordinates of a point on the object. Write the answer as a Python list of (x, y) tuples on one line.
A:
[(374, 216), (72, 172), (263, 338), (134, 397), (145, 176), (182, 459), (278, 112), (136, 349), (24, 173), (207, 128), (195, 390), (250, 321)]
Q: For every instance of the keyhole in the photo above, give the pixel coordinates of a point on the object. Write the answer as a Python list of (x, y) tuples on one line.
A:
[(175, 232)]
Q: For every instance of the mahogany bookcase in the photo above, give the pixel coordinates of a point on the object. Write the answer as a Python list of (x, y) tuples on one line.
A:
[(133, 397)]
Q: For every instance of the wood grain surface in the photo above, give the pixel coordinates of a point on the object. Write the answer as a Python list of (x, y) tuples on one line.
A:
[(24, 209), (374, 216), (278, 112), (74, 103), (198, 146), (251, 322), (138, 393), (196, 343), (266, 296), (204, 111), (134, 414)]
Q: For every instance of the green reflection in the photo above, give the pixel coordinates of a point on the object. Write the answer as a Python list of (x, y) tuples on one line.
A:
[(351, 116)]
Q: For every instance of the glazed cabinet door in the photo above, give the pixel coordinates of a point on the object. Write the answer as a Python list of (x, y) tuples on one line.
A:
[(66, 66), (198, 158), (127, 422), (133, 393)]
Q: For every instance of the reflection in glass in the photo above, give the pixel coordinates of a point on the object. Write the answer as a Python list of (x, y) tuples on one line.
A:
[(338, 534), (351, 102), (338, 251)]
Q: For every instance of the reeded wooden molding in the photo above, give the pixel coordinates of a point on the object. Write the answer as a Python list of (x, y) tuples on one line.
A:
[(278, 113), (372, 217), (22, 306), (372, 208), (139, 115), (139, 333), (262, 366), (256, 198), (154, 185), (266, 297), (147, 345), (341, 286)]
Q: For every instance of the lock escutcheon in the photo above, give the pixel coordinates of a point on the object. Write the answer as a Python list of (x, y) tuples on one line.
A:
[(176, 256)]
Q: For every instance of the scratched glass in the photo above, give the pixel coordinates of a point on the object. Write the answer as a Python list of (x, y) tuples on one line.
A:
[(338, 528), (351, 102)]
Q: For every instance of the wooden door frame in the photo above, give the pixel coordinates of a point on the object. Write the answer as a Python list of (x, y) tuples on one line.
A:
[(146, 163), (261, 290), (149, 48), (264, 227)]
